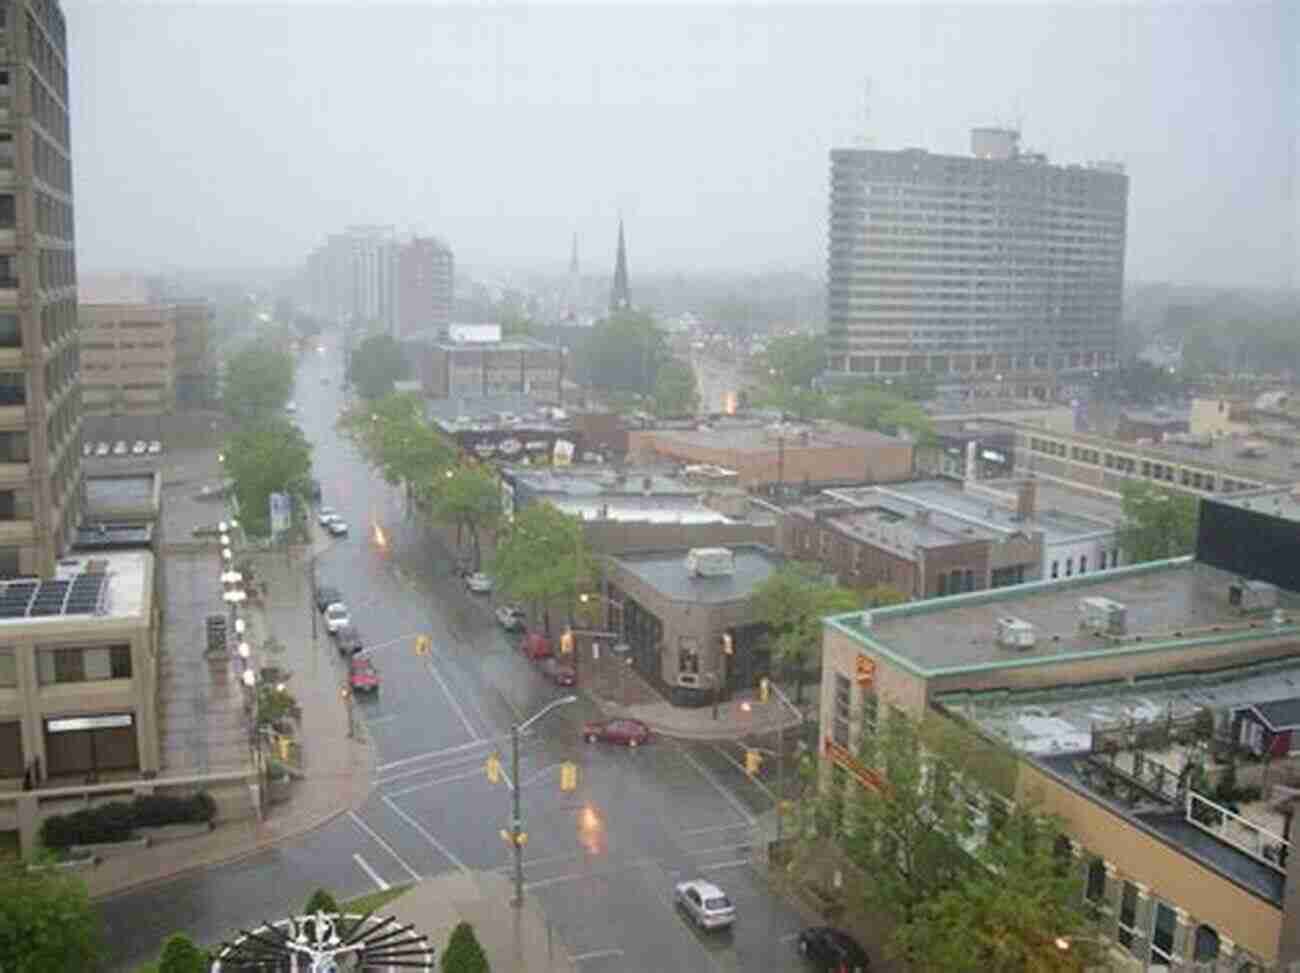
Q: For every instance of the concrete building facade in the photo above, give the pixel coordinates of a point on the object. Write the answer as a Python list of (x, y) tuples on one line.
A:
[(128, 358), (40, 406), (449, 369), (425, 285), (996, 272)]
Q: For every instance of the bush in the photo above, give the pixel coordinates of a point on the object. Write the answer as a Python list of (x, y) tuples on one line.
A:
[(463, 953), (118, 820), (180, 955), (321, 901)]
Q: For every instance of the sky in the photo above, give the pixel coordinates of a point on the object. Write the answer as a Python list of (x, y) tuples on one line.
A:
[(217, 134)]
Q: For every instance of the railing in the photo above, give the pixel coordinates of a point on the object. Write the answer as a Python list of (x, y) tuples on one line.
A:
[(1259, 843)]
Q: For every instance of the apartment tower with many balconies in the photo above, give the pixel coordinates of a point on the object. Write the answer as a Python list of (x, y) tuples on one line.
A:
[(995, 273), (40, 408)]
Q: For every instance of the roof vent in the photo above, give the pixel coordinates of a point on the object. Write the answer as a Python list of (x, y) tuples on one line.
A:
[(1103, 616), (1016, 633), (1252, 596), (710, 562)]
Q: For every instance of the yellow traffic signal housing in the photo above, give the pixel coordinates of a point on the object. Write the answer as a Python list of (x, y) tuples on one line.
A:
[(423, 644), (753, 760), (568, 776), (764, 689), (494, 768), (566, 641)]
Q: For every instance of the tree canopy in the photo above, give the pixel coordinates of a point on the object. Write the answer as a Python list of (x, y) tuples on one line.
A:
[(463, 953), (258, 380), (792, 602), (795, 360), (675, 392), (376, 364), (469, 497), (46, 922), (542, 557), (392, 435), (266, 456), (872, 407), (623, 354), (1158, 522)]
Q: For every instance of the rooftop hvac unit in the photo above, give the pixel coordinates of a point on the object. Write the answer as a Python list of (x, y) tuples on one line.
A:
[(1016, 633), (1103, 616), (710, 562), (687, 679), (1252, 596)]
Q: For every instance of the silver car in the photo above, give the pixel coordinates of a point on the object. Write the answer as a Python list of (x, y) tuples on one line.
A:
[(706, 904)]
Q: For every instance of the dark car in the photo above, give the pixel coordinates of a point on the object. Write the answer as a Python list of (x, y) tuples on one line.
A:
[(560, 673), (326, 595), (630, 733), (348, 640), (363, 677), (833, 951)]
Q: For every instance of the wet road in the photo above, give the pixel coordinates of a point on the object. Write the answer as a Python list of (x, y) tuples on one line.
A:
[(602, 859)]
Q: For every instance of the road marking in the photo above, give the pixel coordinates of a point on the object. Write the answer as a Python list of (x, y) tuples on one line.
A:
[(427, 837), (596, 954), (741, 767), (788, 937), (716, 827), (734, 863), (434, 783), (726, 794), (377, 720), (436, 753), (454, 704), (603, 873), (533, 777), (714, 851), (383, 844), (370, 872)]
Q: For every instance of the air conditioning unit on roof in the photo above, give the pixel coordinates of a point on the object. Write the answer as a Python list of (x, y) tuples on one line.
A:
[(1016, 633)]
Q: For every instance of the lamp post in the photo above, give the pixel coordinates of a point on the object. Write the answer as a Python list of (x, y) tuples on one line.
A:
[(517, 822)]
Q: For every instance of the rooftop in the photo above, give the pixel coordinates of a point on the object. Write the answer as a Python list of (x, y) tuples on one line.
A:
[(598, 481), (110, 495), (1283, 502), (102, 536), (104, 585), (665, 572), (880, 517), (752, 436), (659, 510), (1169, 604), (489, 414)]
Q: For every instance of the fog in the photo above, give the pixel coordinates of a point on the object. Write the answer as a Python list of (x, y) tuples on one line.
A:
[(232, 135)]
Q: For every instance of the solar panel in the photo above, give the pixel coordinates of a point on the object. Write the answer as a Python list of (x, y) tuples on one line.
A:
[(84, 595), (15, 597), (49, 598), (78, 596)]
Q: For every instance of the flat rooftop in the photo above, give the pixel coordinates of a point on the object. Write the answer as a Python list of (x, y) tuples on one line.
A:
[(765, 437), (117, 586), (651, 509), (597, 481), (133, 491), (493, 413), (1282, 502), (890, 520), (1169, 604), (665, 572)]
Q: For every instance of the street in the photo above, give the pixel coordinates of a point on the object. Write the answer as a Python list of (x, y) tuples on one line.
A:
[(602, 859)]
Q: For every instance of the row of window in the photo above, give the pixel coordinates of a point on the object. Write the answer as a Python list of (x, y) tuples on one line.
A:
[(47, 60), (1147, 468), (57, 268), (1108, 559), (51, 164), (54, 217), (58, 319), (68, 665), (14, 446), (47, 111), (980, 363)]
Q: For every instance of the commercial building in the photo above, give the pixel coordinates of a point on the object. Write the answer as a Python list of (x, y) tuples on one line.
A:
[(128, 358), (39, 405), (425, 285), (474, 362), (775, 457), (196, 356), (78, 671), (1152, 425), (514, 428), (1116, 701), (996, 272)]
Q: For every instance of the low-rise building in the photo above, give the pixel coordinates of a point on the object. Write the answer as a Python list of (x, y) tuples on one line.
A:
[(128, 358), (511, 428), (1152, 425), (456, 363)]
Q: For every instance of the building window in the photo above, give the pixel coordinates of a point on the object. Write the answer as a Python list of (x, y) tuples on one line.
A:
[(9, 562), (8, 212), (1069, 567), (969, 580), (843, 702), (1083, 563), (11, 332), (688, 655), (1095, 889), (1056, 570), (1002, 577), (6, 151), (8, 669), (54, 666), (943, 584), (1128, 933), (1206, 945), (870, 712), (1162, 935), (13, 386)]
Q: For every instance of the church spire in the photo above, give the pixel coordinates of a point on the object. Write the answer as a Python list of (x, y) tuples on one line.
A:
[(619, 297), (573, 257)]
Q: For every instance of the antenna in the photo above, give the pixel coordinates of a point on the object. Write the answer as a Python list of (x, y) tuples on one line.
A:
[(864, 138)]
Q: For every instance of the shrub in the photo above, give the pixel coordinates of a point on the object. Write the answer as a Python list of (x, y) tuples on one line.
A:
[(463, 953), (321, 901), (156, 810), (180, 955), (118, 820)]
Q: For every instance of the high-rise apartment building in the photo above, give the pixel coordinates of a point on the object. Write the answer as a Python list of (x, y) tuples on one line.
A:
[(997, 273), (425, 275), (40, 408)]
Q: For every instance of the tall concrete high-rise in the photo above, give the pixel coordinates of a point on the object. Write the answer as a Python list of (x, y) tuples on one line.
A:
[(425, 285), (40, 394), (995, 273)]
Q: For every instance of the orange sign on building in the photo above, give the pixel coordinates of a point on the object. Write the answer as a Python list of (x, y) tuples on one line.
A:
[(841, 757), (866, 671)]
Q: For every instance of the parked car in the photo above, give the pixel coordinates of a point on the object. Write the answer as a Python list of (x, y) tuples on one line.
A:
[(325, 514), (326, 595), (348, 640), (139, 448), (291, 407), (511, 617), (479, 583), (535, 645), (101, 449), (155, 447), (119, 448), (363, 677), (705, 904), (560, 673), (87, 449), (833, 951), (336, 616), (630, 733), (337, 527)]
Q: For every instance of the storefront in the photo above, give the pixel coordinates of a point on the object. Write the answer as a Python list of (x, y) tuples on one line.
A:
[(86, 746)]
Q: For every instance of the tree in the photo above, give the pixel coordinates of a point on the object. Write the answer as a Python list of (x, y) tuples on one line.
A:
[(46, 922), (181, 955), (882, 595), (623, 354), (802, 403), (396, 441), (796, 360), (267, 456), (463, 953), (542, 557), (258, 381), (676, 393), (375, 365), (792, 602), (1158, 522), (872, 407), (470, 498), (321, 901)]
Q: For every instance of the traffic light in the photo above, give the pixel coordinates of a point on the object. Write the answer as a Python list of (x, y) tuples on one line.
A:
[(494, 768), (568, 776), (728, 644), (764, 689), (566, 641), (753, 760), (511, 839), (423, 644)]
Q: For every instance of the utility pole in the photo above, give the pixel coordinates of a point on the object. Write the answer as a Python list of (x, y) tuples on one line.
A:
[(517, 817)]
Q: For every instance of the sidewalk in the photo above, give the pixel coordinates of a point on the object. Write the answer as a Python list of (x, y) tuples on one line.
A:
[(336, 770)]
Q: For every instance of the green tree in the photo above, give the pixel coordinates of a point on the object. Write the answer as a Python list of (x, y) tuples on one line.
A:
[(1158, 522), (266, 456), (275, 704), (258, 381), (393, 436), (882, 595), (463, 954), (795, 360), (802, 403), (181, 955), (321, 901), (872, 407), (375, 365), (623, 354), (542, 558), (470, 498), (46, 922), (792, 602), (676, 393)]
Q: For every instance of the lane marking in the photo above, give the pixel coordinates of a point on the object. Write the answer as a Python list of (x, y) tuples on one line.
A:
[(602, 873), (455, 705), (716, 827), (596, 954), (442, 849), (788, 937), (377, 720), (734, 863), (429, 755), (370, 872), (434, 783), (726, 794), (384, 845), (714, 851), (532, 777), (456, 762)]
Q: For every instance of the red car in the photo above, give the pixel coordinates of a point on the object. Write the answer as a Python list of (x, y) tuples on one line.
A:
[(560, 673), (631, 733), (362, 676), (535, 645)]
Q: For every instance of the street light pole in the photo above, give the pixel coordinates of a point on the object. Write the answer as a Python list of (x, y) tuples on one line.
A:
[(780, 758), (516, 785)]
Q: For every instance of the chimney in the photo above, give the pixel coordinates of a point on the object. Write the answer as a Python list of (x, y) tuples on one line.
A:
[(1026, 499)]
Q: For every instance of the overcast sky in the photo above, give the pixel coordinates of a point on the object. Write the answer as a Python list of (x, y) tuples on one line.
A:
[(222, 134)]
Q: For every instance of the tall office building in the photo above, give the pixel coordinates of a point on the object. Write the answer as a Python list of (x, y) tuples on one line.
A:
[(996, 273), (425, 285), (40, 393)]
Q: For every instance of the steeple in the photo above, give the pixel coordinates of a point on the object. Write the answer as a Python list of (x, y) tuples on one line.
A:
[(619, 297), (573, 257)]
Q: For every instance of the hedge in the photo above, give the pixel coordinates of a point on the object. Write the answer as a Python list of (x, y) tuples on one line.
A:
[(117, 821)]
